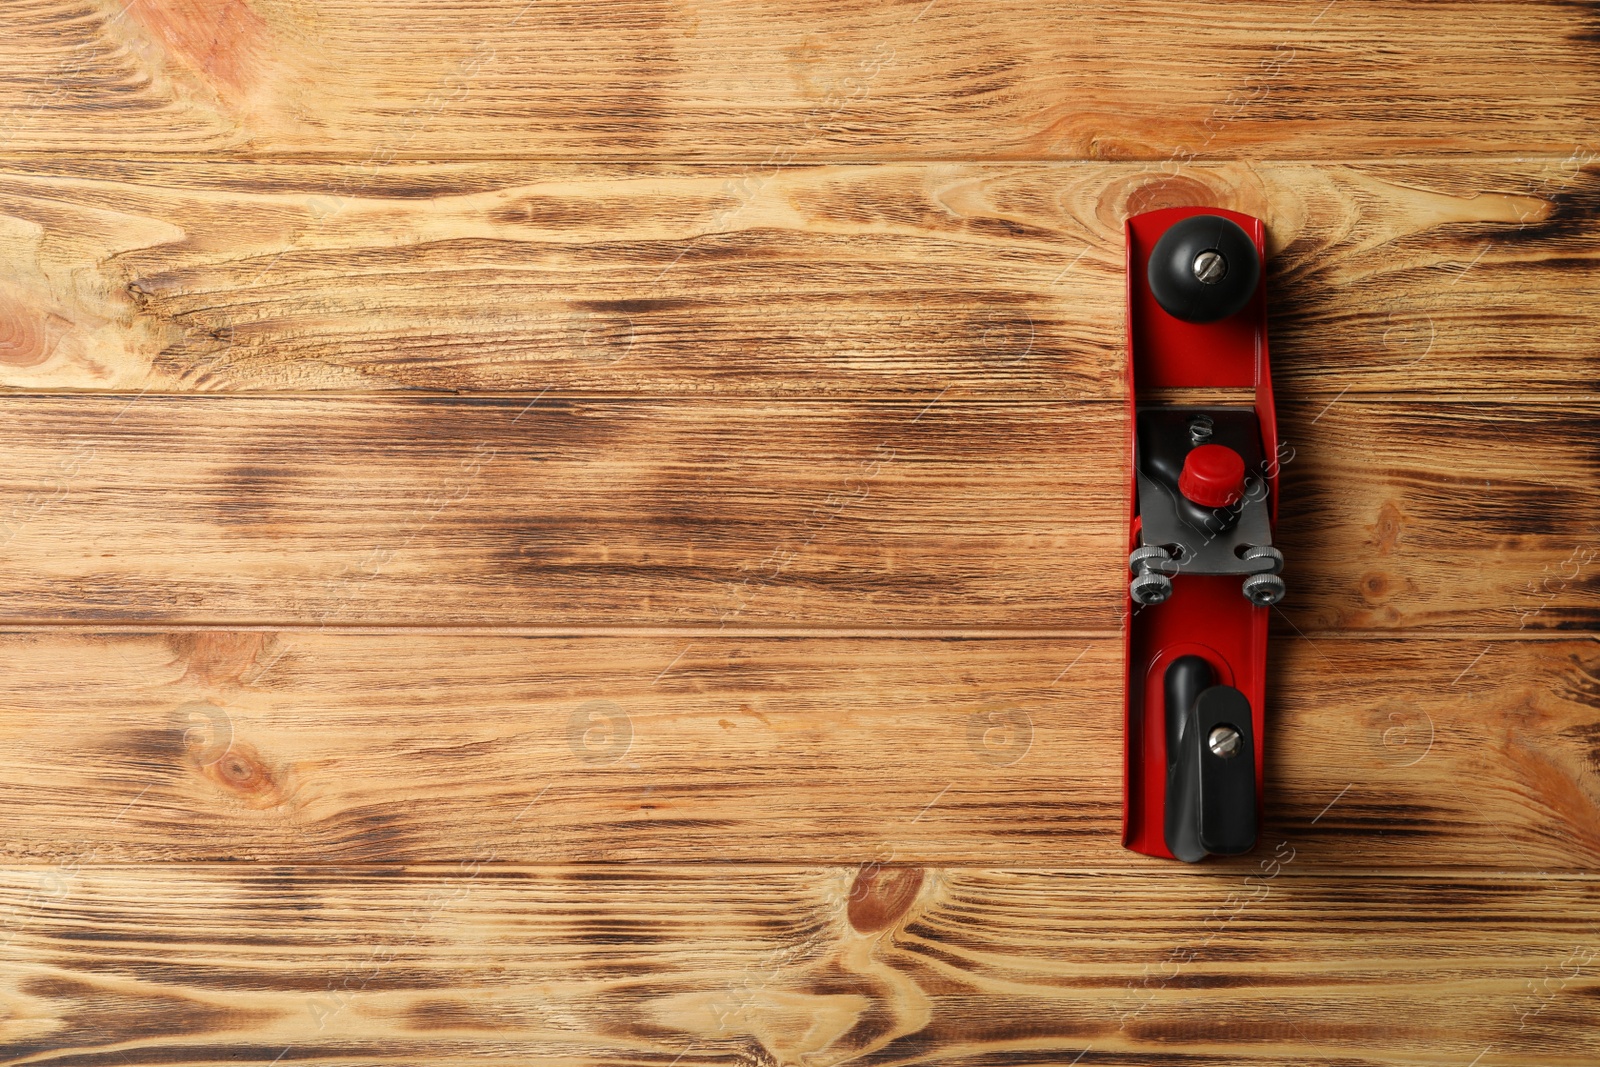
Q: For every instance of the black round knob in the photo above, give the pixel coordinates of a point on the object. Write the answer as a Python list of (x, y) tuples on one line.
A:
[(1203, 269)]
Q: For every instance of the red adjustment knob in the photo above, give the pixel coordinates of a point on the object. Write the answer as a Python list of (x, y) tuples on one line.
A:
[(1213, 476)]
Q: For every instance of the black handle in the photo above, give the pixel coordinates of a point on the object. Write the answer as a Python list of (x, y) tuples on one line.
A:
[(1203, 269), (1211, 764)]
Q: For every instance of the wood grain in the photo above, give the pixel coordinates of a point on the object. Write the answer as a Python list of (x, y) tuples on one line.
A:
[(786, 966), (1448, 515), (293, 748), (580, 536), (995, 282), (769, 83), (575, 514)]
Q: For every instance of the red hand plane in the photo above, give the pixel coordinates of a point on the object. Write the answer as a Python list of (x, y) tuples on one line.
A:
[(1204, 573)]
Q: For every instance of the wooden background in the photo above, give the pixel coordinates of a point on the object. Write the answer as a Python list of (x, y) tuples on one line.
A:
[(558, 533)]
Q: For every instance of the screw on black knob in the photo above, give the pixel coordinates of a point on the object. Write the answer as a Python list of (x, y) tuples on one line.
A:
[(1203, 269)]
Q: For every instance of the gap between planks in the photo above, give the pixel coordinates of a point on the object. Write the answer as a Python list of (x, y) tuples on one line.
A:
[(793, 633), (948, 398), (1165, 159), (646, 870)]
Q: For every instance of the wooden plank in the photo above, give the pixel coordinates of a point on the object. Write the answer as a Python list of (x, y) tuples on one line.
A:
[(996, 282), (729, 965), (1485, 524), (305, 747), (572, 514), (566, 513), (768, 83)]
